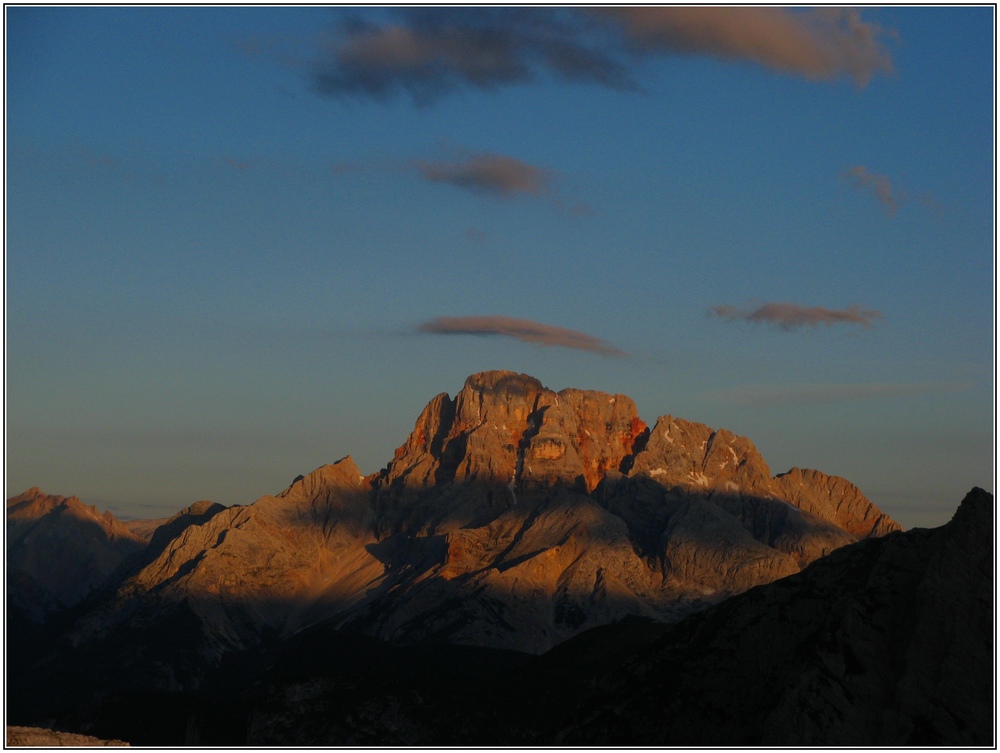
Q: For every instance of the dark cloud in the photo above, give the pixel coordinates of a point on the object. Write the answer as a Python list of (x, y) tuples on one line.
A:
[(860, 177), (520, 329), (811, 394), (790, 316), (486, 173), (431, 52)]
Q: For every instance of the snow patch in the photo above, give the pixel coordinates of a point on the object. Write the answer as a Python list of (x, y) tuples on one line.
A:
[(658, 472), (698, 479), (732, 486)]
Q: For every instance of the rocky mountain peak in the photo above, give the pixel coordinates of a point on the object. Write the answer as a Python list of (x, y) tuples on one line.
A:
[(343, 473), (59, 549), (508, 429), (690, 456)]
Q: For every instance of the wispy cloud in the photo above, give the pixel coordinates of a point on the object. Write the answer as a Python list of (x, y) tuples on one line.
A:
[(240, 165), (890, 196), (819, 44), (485, 173), (520, 329), (428, 53), (788, 316), (862, 179), (476, 235), (809, 394), (499, 176)]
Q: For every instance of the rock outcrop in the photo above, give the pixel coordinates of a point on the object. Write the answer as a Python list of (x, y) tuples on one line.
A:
[(39, 737)]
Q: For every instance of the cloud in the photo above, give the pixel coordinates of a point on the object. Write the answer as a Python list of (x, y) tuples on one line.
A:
[(814, 394), (788, 316), (431, 52), (428, 53), (236, 164), (819, 44), (862, 179), (520, 329), (476, 235), (484, 173)]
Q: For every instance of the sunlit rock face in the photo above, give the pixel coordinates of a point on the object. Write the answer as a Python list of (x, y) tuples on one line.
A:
[(265, 568), (513, 517)]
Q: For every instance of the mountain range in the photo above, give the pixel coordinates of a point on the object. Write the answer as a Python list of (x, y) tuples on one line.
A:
[(545, 540)]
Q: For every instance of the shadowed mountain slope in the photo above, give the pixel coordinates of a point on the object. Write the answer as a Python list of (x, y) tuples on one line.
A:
[(59, 550), (886, 642)]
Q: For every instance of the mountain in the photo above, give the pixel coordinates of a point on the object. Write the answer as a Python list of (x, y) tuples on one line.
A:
[(888, 642), (59, 550), (512, 517), (885, 642)]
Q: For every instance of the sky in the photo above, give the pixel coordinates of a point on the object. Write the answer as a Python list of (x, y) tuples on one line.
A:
[(242, 242)]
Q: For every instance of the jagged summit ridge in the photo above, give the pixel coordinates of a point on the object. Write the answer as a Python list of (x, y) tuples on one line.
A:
[(507, 427)]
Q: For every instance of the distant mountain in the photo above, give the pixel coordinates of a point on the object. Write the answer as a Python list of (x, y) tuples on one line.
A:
[(59, 550)]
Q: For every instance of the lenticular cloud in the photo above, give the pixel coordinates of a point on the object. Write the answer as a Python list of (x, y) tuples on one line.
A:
[(520, 329), (790, 316), (486, 173)]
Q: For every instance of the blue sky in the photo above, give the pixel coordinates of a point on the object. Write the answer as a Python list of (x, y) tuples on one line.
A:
[(243, 242)]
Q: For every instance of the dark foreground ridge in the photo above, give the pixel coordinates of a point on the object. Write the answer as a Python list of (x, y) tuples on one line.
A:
[(531, 568)]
